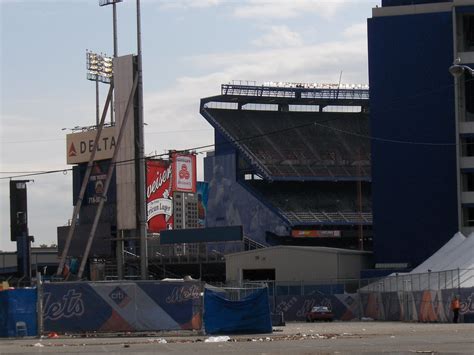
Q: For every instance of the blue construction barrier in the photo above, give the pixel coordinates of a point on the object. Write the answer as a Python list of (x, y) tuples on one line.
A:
[(251, 315), (18, 313)]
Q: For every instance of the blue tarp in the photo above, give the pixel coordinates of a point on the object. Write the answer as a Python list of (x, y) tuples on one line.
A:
[(251, 315), (18, 305)]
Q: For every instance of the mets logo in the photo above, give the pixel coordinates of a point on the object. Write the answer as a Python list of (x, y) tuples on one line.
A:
[(119, 297), (184, 173)]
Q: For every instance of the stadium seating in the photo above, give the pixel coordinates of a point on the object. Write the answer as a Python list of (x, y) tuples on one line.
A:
[(316, 201), (301, 144)]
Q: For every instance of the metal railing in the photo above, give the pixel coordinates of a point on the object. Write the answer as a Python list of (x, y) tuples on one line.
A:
[(234, 291), (190, 253), (450, 279), (295, 92)]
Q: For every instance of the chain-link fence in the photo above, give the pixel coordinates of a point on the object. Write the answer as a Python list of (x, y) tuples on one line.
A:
[(235, 291), (442, 280), (449, 279)]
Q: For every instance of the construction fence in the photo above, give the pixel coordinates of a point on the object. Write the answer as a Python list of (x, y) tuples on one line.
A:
[(422, 297), (122, 306)]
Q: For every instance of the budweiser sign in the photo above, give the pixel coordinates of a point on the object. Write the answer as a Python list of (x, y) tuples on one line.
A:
[(159, 196)]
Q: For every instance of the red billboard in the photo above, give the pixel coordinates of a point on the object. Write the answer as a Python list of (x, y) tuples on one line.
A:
[(184, 167), (159, 195), (312, 233)]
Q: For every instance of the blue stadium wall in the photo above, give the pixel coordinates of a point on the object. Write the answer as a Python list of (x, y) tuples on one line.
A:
[(230, 203), (386, 3), (412, 99)]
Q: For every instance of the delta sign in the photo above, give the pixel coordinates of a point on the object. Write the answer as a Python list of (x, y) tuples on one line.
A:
[(80, 145)]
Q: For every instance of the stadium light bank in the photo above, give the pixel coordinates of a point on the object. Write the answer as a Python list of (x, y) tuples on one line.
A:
[(457, 70)]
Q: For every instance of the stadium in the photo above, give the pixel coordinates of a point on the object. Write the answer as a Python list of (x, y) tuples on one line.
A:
[(314, 196), (291, 163)]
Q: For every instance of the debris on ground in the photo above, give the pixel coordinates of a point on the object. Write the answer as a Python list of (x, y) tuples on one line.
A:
[(53, 335), (218, 339)]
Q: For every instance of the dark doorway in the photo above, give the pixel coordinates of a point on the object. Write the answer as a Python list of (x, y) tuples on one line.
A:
[(258, 274)]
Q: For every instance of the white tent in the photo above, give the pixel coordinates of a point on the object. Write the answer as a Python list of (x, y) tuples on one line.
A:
[(434, 261), (452, 266)]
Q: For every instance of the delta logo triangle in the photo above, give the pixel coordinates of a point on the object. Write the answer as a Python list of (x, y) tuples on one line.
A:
[(72, 151)]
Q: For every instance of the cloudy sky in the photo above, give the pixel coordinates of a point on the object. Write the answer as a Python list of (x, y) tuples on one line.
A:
[(190, 47)]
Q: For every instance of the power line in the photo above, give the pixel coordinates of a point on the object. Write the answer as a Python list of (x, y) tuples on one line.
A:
[(369, 137), (249, 138), (63, 139), (129, 161)]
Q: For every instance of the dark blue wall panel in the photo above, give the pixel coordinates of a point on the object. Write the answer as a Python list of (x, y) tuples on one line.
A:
[(412, 100), (410, 2), (223, 146)]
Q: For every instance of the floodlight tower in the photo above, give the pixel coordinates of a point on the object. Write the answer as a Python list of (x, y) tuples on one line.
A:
[(99, 69)]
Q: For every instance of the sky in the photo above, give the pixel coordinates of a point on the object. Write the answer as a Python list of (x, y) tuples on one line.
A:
[(190, 48)]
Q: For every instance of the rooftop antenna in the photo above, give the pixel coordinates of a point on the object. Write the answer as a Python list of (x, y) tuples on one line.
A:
[(339, 85)]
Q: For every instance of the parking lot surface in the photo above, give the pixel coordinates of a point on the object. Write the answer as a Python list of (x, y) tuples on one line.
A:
[(294, 338)]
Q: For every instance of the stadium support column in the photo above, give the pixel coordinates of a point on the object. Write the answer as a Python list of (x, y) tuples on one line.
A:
[(142, 220)]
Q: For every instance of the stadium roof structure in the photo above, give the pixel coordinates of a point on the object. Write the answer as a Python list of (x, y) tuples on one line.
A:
[(295, 132), (297, 94)]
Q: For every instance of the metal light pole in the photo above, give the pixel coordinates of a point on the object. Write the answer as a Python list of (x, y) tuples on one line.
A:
[(457, 70), (119, 241), (114, 27), (142, 218)]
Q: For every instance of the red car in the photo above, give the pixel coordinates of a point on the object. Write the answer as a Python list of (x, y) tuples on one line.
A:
[(321, 313)]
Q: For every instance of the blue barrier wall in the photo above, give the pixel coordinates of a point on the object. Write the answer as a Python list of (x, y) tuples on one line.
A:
[(251, 315), (127, 306), (18, 305)]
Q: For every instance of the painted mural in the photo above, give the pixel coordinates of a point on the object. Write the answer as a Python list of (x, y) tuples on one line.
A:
[(230, 204), (418, 306)]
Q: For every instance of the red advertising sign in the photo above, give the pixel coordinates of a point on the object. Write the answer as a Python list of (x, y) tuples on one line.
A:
[(184, 177), (159, 196), (315, 233)]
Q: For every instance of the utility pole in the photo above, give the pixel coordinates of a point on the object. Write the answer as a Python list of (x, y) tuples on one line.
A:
[(142, 220)]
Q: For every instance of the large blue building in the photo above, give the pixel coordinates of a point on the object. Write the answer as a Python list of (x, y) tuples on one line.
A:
[(422, 123)]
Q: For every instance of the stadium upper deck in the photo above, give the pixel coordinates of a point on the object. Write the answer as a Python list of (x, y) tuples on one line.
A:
[(295, 131)]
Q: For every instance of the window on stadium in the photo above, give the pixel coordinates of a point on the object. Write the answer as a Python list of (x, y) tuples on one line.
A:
[(467, 146), (468, 33), (222, 105), (304, 108), (469, 97), (335, 108), (260, 107), (468, 216), (468, 182)]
